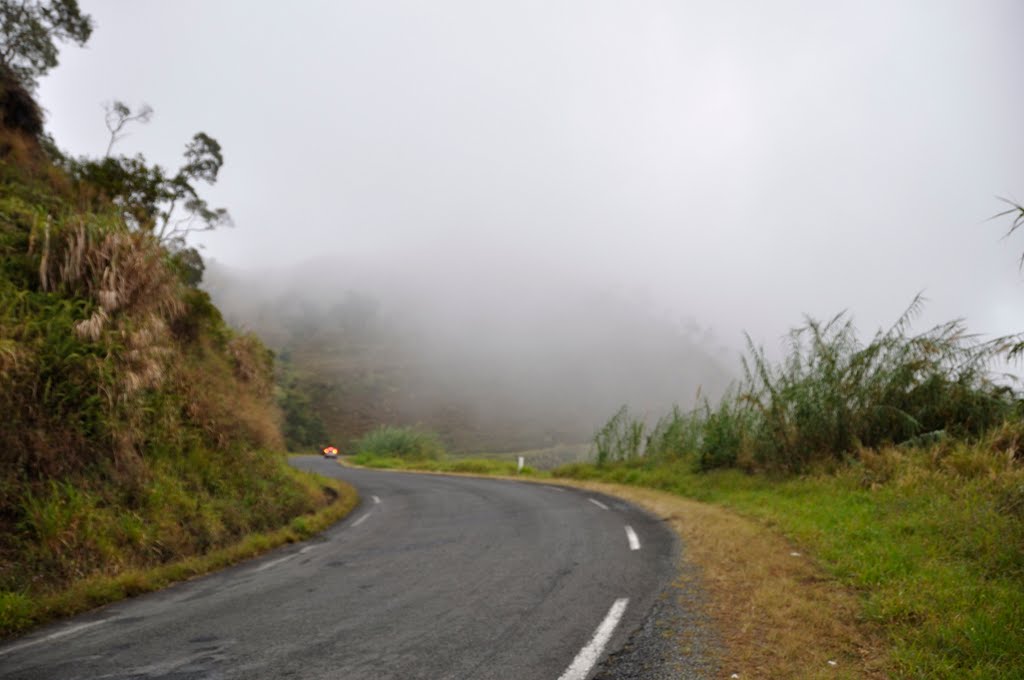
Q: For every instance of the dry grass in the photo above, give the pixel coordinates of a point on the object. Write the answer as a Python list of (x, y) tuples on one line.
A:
[(778, 615)]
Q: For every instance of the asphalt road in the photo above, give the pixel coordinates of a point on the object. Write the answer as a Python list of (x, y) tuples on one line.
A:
[(430, 577)]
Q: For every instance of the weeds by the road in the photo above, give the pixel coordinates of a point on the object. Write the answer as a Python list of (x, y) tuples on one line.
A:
[(400, 442), (24, 608), (403, 448), (911, 456), (480, 466), (932, 538), (774, 611), (831, 396)]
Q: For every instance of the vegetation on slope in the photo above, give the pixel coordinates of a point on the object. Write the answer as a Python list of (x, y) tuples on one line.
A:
[(898, 465), (832, 396), (138, 429)]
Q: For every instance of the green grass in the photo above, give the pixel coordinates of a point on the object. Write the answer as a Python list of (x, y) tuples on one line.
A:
[(932, 538), (480, 466), (831, 395), (25, 608), (400, 442), (546, 458)]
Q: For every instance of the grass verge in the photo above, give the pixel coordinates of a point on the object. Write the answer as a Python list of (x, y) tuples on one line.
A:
[(778, 615), (775, 612), (930, 539), (480, 466), (21, 611), (909, 564)]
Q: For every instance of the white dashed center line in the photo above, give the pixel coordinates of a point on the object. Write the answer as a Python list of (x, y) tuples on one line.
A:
[(634, 540), (376, 500), (589, 655), (598, 503), (361, 519)]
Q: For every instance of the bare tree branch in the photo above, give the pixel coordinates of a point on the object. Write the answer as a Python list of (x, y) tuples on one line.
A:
[(118, 115)]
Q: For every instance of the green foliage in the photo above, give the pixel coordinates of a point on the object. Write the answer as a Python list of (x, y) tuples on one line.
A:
[(141, 563), (153, 200), (303, 428), (189, 265), (400, 442), (474, 466), (932, 537), (831, 396), (621, 438), (30, 31), (136, 426)]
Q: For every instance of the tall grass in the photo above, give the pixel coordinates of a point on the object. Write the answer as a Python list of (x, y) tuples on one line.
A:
[(136, 427), (621, 438), (400, 442), (931, 536), (829, 397)]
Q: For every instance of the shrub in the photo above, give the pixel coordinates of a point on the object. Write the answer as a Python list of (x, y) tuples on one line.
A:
[(831, 396), (400, 442)]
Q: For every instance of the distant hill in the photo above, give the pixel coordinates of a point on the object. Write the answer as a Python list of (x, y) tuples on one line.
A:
[(489, 367)]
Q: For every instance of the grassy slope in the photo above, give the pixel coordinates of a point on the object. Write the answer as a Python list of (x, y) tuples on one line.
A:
[(138, 437), (932, 539), (23, 609)]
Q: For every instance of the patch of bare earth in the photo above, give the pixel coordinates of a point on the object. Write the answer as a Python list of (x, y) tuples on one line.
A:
[(777, 614)]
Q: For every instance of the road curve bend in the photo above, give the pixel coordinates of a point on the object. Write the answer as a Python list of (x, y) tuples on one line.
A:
[(430, 577)]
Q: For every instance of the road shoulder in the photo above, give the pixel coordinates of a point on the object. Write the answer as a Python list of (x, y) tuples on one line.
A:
[(776, 614)]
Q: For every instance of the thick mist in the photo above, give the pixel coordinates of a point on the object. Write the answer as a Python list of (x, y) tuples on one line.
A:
[(532, 360), (534, 208)]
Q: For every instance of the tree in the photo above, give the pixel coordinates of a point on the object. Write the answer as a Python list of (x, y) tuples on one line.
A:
[(168, 206), (119, 115), (30, 31)]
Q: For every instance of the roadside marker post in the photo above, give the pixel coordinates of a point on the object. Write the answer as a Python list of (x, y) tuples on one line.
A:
[(522, 461)]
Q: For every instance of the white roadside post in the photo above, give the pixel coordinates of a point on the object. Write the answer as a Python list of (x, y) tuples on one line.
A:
[(522, 461)]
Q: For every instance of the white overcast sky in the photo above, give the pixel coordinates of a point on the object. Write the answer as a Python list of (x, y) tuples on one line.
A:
[(741, 163)]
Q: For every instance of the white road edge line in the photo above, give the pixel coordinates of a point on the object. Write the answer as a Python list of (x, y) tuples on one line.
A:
[(634, 540), (362, 519), (274, 563), (53, 636), (598, 503), (376, 500), (589, 655)]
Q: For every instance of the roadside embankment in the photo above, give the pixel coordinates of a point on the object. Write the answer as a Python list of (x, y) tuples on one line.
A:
[(315, 503)]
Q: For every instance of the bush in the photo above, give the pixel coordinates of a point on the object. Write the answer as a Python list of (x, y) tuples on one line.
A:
[(400, 442), (830, 397)]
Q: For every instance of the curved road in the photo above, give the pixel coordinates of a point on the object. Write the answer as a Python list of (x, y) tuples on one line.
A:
[(430, 577)]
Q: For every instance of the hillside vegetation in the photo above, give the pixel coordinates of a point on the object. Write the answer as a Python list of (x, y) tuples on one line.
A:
[(138, 428), (897, 464)]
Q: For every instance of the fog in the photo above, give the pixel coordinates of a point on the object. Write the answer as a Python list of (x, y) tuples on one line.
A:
[(583, 202)]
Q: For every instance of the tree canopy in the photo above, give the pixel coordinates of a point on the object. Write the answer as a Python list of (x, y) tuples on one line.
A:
[(30, 31), (167, 205)]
